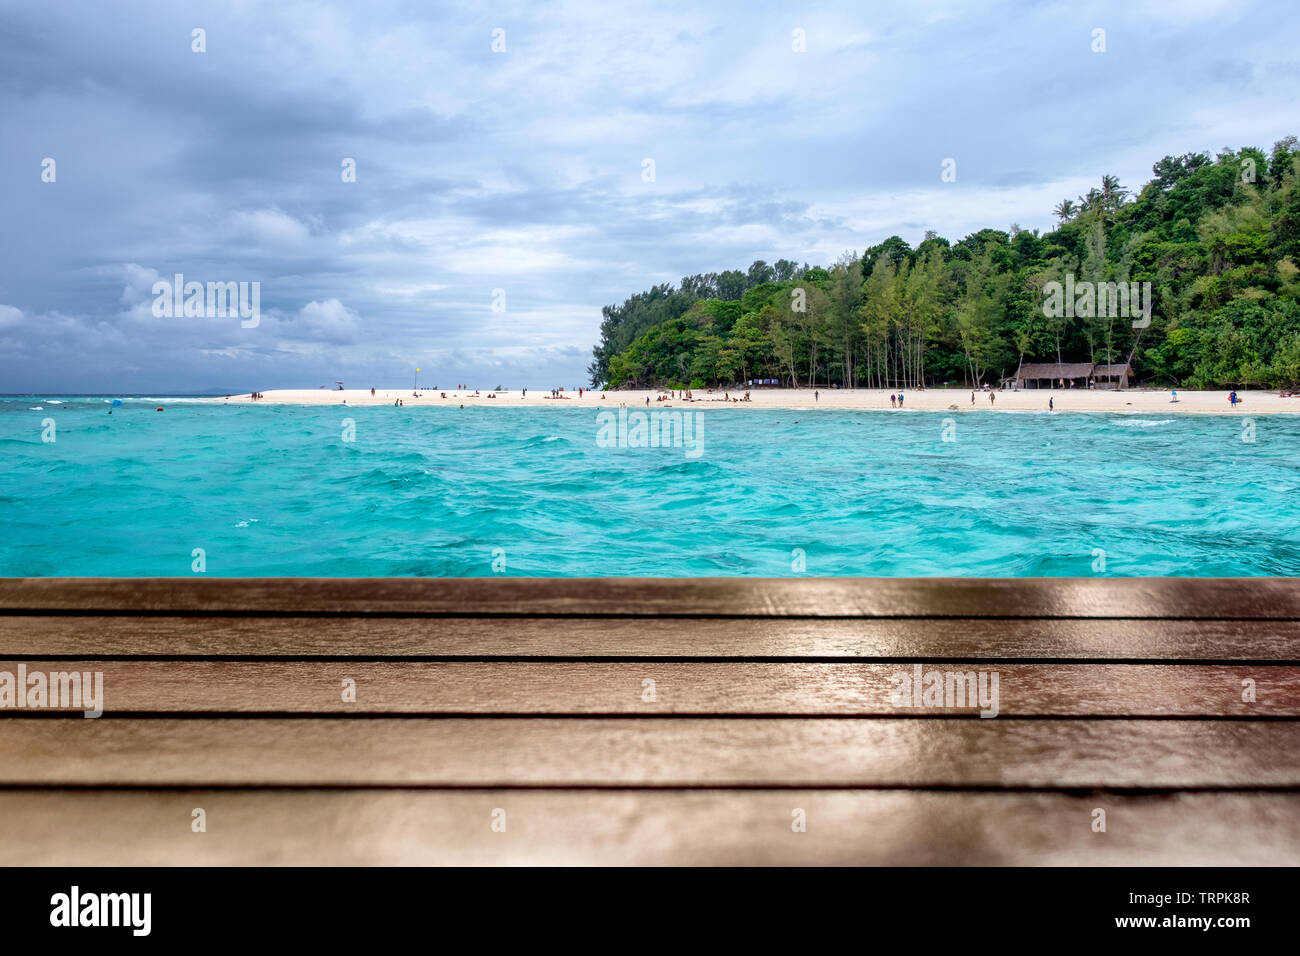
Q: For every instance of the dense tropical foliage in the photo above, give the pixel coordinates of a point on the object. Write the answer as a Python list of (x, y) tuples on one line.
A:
[(1218, 239)]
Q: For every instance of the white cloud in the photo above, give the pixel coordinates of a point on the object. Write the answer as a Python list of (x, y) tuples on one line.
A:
[(328, 321), (269, 228)]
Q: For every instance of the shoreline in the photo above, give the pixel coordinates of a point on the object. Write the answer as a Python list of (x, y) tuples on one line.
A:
[(1129, 401)]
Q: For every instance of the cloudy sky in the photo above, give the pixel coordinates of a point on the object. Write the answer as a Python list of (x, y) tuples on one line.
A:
[(525, 170)]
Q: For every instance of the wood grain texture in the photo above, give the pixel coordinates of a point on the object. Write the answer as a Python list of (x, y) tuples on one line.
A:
[(534, 687), (567, 827), (528, 695), (26, 635), (1169, 598), (650, 751)]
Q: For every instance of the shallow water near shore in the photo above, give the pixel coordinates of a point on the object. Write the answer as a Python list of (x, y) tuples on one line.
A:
[(278, 490)]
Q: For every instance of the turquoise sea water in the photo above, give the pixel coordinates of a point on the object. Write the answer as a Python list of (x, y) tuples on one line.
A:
[(277, 490)]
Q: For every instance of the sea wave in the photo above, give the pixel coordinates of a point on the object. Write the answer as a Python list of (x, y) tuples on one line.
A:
[(439, 494)]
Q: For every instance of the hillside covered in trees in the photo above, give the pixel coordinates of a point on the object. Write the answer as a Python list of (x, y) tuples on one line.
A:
[(1218, 239)]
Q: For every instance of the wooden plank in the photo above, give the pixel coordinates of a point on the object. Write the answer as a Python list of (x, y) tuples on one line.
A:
[(1186, 598), (650, 751), (566, 827), (785, 638), (842, 689)]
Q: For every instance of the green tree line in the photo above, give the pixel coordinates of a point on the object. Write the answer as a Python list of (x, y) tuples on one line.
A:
[(1217, 238)]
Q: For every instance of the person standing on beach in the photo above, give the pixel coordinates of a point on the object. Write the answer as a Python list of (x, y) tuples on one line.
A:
[(1051, 404), (992, 398), (817, 396), (972, 396), (893, 400), (900, 399)]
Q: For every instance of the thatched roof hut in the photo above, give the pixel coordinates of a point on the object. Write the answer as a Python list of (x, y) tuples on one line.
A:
[(1112, 376), (1054, 375)]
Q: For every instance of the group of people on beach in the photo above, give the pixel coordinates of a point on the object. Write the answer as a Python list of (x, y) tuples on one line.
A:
[(686, 395)]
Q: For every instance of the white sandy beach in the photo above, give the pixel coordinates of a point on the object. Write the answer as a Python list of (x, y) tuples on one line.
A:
[(1138, 401)]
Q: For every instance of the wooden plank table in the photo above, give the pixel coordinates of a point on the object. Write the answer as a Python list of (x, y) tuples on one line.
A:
[(697, 721)]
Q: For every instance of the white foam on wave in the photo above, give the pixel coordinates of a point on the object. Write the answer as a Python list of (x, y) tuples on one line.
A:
[(1145, 422)]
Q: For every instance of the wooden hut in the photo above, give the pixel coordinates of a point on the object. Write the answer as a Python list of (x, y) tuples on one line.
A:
[(1054, 375), (1112, 376)]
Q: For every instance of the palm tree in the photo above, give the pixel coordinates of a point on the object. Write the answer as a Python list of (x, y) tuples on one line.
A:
[(1112, 192), (1065, 210)]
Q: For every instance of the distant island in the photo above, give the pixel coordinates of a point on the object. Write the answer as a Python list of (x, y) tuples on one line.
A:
[(1214, 242)]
